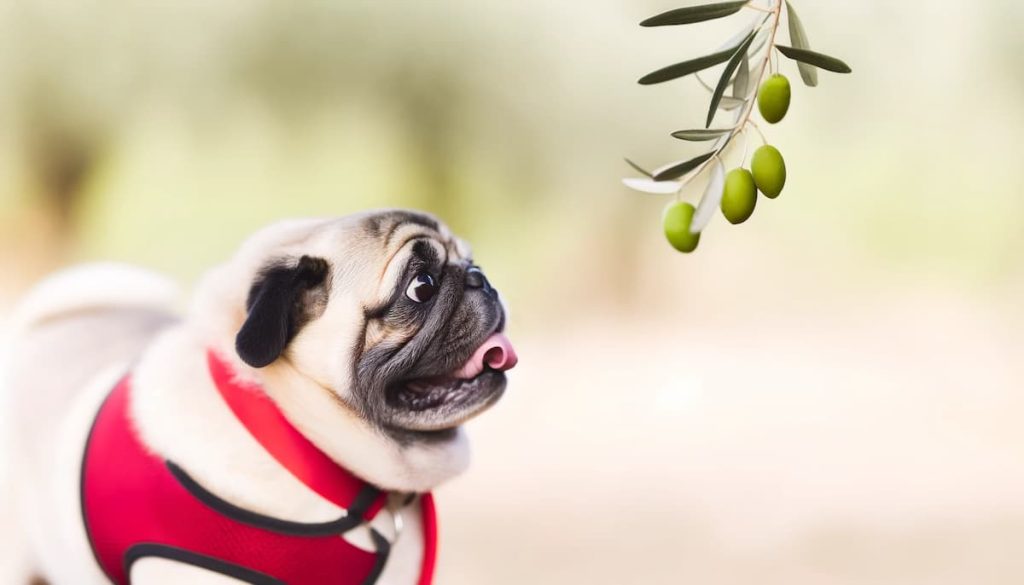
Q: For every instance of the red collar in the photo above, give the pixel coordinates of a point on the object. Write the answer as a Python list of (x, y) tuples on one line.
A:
[(304, 460)]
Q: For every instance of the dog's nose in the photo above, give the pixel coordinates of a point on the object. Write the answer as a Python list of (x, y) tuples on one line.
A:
[(475, 279)]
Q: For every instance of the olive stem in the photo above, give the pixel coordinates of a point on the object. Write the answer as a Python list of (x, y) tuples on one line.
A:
[(758, 128), (742, 121), (746, 143), (764, 62)]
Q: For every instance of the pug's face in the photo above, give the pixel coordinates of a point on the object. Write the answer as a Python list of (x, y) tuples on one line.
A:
[(389, 311)]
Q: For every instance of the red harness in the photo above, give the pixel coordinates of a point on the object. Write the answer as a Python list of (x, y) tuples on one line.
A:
[(136, 505)]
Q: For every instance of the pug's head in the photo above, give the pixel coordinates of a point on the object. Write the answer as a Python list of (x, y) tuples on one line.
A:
[(385, 310)]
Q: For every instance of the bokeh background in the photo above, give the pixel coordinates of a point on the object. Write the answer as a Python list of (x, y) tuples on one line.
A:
[(830, 393)]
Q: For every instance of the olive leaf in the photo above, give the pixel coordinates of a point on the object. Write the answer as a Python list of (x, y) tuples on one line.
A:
[(692, 14), (711, 200), (798, 36), (645, 185), (700, 135), (686, 67), (759, 41), (723, 81), (638, 168), (737, 37), (676, 170), (813, 58), (731, 103), (741, 84)]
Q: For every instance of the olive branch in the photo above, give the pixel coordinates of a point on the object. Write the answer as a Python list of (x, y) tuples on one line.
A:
[(748, 58)]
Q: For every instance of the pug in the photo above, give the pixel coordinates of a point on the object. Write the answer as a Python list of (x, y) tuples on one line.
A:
[(288, 428)]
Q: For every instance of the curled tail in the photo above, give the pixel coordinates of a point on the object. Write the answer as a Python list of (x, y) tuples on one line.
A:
[(94, 286)]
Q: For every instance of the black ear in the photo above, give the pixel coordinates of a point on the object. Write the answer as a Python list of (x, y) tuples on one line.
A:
[(277, 309)]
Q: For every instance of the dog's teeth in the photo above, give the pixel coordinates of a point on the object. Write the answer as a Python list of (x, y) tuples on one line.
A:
[(419, 388), (431, 392)]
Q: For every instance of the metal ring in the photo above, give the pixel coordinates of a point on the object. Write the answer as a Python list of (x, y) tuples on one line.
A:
[(397, 521)]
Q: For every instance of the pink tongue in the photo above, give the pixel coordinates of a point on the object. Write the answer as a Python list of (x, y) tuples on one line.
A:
[(496, 352)]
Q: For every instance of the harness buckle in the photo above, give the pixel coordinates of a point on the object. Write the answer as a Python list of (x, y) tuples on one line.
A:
[(397, 521)]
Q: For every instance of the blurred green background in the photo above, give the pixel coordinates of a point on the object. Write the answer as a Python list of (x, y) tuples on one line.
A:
[(830, 393)]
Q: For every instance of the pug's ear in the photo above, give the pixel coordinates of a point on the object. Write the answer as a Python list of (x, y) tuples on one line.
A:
[(278, 307)]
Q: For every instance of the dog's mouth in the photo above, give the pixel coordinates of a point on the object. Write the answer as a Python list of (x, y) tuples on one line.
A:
[(424, 394), (442, 402)]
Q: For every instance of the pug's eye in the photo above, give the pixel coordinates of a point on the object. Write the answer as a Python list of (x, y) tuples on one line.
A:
[(422, 288)]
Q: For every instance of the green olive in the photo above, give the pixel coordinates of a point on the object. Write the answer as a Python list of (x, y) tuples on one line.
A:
[(739, 196), (676, 222), (773, 98), (769, 170)]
